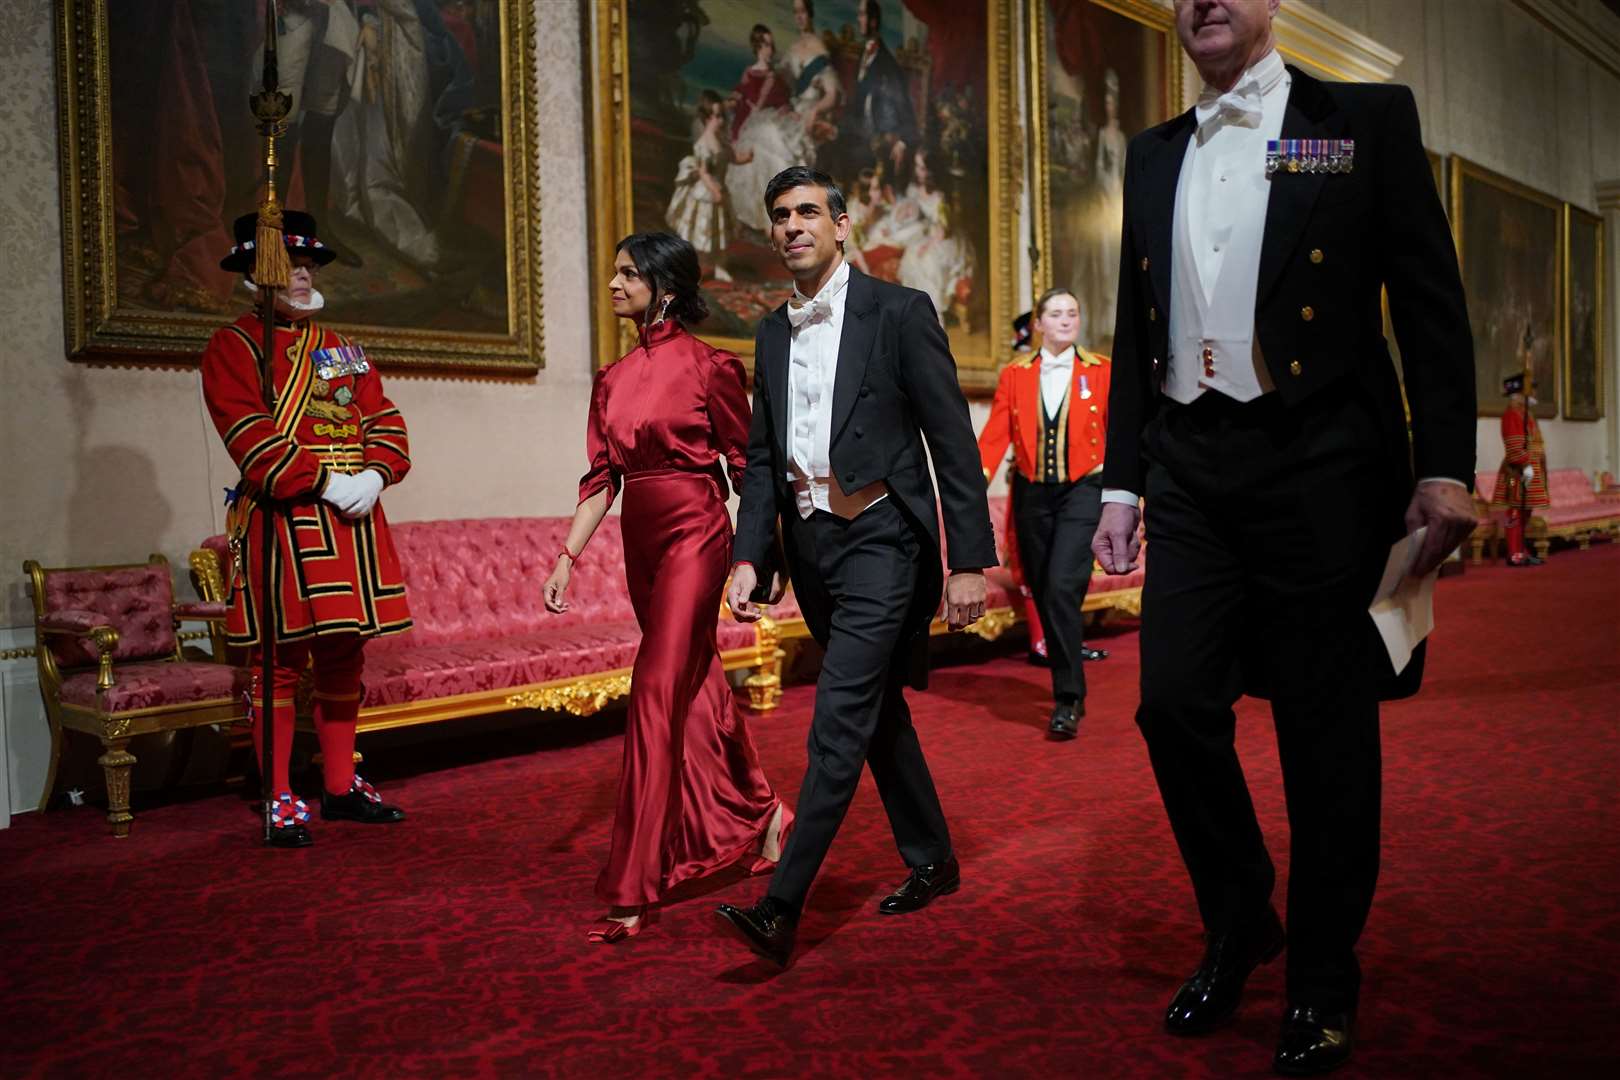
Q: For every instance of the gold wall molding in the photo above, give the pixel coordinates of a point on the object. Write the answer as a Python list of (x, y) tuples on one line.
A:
[(1307, 36), (1584, 24)]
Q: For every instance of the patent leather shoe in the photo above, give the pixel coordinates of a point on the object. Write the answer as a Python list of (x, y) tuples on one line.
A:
[(922, 885), (1210, 997), (769, 928), (1088, 654), (1065, 722), (1313, 1041), (359, 806), (290, 836)]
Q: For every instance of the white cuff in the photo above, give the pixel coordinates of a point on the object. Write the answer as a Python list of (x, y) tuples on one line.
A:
[(1443, 480), (1121, 496)]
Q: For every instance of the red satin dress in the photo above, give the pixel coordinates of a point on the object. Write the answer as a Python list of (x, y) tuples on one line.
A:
[(668, 420)]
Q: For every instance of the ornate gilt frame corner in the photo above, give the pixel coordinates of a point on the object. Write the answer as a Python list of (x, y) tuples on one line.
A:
[(1152, 15), (99, 331), (1458, 169), (1570, 212), (610, 176)]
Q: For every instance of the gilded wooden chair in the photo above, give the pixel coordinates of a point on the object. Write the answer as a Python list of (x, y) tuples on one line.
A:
[(110, 665)]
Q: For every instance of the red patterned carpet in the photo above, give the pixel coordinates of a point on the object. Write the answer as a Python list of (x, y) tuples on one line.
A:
[(454, 945)]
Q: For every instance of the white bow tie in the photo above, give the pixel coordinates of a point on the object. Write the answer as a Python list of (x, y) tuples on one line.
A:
[(800, 312), (1239, 105)]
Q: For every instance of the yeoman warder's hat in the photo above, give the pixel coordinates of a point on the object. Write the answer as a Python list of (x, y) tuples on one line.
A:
[(298, 231), (1022, 332), (1513, 384)]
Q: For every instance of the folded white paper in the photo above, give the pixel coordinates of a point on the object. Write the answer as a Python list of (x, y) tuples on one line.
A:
[(1403, 607)]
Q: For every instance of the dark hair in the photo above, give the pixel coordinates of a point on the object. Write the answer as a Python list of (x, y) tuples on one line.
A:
[(809, 7), (758, 34), (804, 176), (874, 17), (1052, 294), (671, 268), (708, 102)]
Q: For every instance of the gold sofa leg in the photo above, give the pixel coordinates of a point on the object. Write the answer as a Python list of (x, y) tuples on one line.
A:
[(765, 684), (115, 764)]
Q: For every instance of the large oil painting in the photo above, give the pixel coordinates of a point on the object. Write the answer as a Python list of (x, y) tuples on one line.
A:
[(903, 102), (1100, 71), (411, 141), (1510, 241), (1583, 315)]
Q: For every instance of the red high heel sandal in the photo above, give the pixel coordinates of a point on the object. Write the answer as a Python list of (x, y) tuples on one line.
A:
[(761, 863), (611, 931)]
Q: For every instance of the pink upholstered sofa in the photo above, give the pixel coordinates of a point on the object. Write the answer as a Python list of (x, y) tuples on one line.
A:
[(1576, 511), (483, 641)]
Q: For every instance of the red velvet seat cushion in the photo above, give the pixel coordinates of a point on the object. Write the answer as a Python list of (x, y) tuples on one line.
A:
[(136, 601), (156, 685), (399, 676)]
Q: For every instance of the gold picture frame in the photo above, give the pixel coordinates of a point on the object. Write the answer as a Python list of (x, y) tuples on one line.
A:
[(1584, 325), (1510, 246), (636, 141), (1072, 139), (474, 279)]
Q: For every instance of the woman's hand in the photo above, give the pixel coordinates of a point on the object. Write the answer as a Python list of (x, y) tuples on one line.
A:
[(556, 587)]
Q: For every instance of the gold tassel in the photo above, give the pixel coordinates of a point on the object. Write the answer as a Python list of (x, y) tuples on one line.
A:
[(270, 266)]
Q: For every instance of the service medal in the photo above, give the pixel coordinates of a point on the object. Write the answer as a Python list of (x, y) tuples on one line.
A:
[(343, 396), (320, 388)]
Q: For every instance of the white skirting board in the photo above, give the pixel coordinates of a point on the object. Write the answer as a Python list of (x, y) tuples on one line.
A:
[(25, 735)]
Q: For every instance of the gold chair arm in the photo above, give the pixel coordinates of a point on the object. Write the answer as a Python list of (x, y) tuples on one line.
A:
[(105, 639)]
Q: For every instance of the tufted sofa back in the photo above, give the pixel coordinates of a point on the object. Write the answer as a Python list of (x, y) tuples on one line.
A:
[(137, 601), (479, 578), (1569, 487)]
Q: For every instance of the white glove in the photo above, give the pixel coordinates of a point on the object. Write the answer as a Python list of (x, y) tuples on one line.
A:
[(353, 495), (370, 482), (341, 490), (1529, 473)]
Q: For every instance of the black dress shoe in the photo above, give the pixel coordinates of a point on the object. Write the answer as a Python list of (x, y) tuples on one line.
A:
[(290, 836), (357, 806), (1313, 1041), (769, 928), (1093, 654), (921, 886), (1065, 720), (1038, 659), (1210, 997)]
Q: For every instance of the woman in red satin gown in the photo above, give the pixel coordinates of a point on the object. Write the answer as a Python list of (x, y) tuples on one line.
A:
[(668, 421)]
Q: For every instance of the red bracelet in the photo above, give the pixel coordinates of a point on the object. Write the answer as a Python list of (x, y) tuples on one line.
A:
[(571, 556)]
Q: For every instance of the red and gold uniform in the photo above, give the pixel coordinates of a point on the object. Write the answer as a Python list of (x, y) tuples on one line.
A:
[(1056, 493), (1521, 445), (337, 578), (333, 574)]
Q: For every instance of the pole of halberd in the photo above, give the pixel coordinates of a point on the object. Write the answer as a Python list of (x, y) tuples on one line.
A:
[(270, 272)]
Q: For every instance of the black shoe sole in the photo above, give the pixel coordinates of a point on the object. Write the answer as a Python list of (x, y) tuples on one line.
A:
[(754, 946), (946, 891), (1297, 1070)]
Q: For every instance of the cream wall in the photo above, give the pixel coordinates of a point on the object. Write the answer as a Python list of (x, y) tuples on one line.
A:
[(100, 464)]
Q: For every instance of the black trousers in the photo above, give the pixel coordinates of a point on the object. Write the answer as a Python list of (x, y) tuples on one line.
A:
[(856, 582), (1055, 523), (1267, 529)]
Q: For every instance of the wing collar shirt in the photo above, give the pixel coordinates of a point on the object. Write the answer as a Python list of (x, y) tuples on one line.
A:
[(1056, 373), (817, 327)]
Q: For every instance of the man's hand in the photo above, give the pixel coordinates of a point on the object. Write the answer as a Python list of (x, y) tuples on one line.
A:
[(1529, 473), (778, 589), (370, 485), (1448, 510), (743, 583), (1115, 542), (964, 598)]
